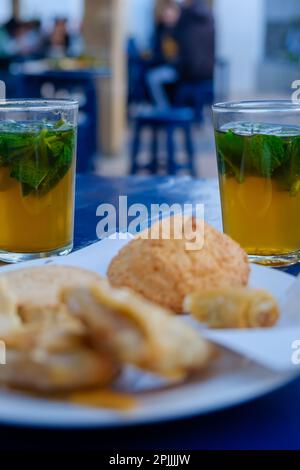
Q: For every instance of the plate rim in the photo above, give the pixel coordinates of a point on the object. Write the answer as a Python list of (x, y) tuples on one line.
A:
[(278, 383)]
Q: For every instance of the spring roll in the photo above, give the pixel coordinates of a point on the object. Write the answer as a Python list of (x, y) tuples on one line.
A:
[(233, 308)]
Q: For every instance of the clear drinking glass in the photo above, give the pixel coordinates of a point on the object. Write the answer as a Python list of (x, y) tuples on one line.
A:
[(258, 152), (37, 178)]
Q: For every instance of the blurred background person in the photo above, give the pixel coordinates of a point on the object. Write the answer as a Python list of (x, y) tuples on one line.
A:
[(33, 39), (164, 52), (183, 50), (6, 45), (21, 38), (195, 35), (29, 39), (59, 41), (11, 36)]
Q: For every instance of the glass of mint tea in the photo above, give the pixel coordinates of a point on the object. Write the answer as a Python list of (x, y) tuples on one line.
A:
[(258, 153), (37, 178)]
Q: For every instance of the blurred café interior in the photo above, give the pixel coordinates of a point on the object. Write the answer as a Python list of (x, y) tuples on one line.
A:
[(146, 72)]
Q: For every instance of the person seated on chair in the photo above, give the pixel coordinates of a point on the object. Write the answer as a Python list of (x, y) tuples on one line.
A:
[(195, 36), (165, 53)]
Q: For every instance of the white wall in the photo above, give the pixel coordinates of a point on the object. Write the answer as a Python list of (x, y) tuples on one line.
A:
[(5, 10), (281, 10), (139, 20), (240, 40), (48, 9)]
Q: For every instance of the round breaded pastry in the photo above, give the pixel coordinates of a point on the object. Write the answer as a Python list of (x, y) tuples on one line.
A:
[(166, 270), (36, 291)]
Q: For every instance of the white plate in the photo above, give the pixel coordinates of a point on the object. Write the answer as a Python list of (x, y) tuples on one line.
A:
[(232, 381)]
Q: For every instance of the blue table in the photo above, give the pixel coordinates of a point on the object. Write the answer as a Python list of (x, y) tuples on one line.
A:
[(271, 422)]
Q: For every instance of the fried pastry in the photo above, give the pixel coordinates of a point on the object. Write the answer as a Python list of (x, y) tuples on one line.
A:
[(233, 308), (36, 291), (47, 349), (68, 329), (9, 318), (141, 333), (165, 271), (55, 360)]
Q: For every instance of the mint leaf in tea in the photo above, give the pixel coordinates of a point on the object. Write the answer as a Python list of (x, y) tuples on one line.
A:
[(37, 155), (254, 149)]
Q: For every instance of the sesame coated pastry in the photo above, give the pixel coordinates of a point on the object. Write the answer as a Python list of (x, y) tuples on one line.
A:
[(165, 271)]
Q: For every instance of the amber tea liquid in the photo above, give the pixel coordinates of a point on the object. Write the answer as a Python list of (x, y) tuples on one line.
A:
[(259, 172), (37, 166)]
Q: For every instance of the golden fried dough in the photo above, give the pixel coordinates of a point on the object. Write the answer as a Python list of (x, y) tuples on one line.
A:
[(70, 330), (36, 290), (234, 308), (165, 271), (54, 360), (9, 317), (47, 349), (141, 333)]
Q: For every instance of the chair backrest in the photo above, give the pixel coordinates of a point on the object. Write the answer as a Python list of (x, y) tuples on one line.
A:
[(164, 116)]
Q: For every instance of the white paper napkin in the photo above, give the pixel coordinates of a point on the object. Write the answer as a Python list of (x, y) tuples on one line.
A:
[(277, 348)]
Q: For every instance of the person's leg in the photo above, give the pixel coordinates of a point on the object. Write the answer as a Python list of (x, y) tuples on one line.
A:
[(157, 79)]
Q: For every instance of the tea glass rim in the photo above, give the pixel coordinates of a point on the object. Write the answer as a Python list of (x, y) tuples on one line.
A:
[(32, 104), (257, 106)]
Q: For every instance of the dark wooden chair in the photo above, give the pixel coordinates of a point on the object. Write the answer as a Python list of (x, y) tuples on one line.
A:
[(195, 95), (168, 121)]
